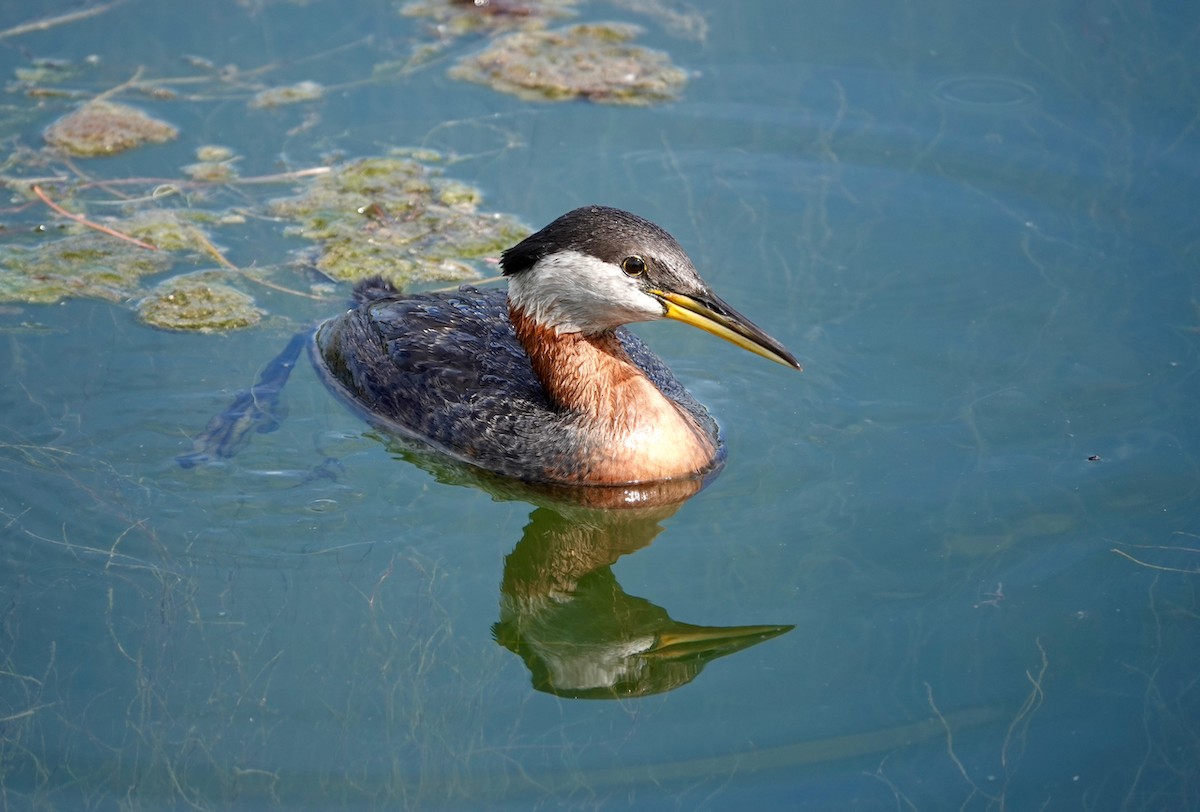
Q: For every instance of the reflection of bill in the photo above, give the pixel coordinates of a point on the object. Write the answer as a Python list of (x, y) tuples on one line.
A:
[(579, 633)]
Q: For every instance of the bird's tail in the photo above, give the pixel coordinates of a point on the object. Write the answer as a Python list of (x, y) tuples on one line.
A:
[(373, 289)]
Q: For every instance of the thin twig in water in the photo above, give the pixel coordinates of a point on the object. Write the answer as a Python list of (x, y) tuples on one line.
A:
[(130, 82), (1031, 704), (1152, 566), (112, 632), (210, 249), (896, 792), (220, 258), (90, 181), (282, 177), (391, 567), (950, 747), (163, 190), (61, 19), (79, 218), (1175, 547), (112, 553), (266, 283), (26, 713)]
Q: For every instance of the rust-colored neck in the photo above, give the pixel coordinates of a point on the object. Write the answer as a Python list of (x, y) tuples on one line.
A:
[(639, 434)]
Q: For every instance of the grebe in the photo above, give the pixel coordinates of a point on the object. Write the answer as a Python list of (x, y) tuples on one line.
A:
[(543, 384)]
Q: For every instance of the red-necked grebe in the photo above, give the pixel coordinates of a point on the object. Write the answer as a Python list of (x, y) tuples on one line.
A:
[(543, 384)]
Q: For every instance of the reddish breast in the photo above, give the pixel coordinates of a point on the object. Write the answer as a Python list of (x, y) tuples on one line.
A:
[(639, 434)]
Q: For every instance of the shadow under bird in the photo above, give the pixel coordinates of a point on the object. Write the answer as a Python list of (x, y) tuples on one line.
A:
[(542, 383)]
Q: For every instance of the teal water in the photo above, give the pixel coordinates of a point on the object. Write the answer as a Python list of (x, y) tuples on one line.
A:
[(978, 506)]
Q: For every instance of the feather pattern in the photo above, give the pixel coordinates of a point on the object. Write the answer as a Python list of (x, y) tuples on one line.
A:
[(448, 370)]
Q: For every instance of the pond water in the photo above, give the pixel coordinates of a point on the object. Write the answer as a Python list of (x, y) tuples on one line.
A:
[(968, 534)]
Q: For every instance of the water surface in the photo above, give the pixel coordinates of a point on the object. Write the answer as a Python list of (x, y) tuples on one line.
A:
[(977, 506)]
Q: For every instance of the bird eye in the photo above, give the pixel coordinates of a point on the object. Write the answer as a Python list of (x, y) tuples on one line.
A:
[(633, 266)]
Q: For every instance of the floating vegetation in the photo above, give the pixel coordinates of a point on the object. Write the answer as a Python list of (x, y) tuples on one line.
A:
[(41, 78), (210, 171), (396, 217), (41, 195), (594, 62), (45, 71), (213, 153), (214, 164), (168, 229), (106, 265), (88, 265), (288, 94), (198, 302), (106, 128), (456, 18), (393, 216)]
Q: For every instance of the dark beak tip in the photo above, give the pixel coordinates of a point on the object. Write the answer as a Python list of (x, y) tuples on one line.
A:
[(789, 360)]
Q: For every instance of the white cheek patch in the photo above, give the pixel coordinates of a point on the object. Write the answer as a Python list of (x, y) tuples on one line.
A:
[(574, 293)]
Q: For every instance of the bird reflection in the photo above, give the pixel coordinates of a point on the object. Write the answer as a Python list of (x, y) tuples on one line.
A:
[(580, 635), (562, 610)]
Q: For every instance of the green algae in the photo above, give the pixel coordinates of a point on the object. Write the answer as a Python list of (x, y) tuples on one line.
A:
[(198, 302), (396, 217), (105, 128), (210, 171), (43, 71), (214, 164), (167, 229), (596, 62), (214, 152), (89, 265), (288, 94), (393, 216)]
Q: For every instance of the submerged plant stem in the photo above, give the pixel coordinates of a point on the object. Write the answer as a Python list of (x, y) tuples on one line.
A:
[(60, 19), (79, 218), (1150, 566), (281, 177), (950, 748)]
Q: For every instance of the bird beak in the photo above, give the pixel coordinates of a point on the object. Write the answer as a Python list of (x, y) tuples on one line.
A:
[(712, 315)]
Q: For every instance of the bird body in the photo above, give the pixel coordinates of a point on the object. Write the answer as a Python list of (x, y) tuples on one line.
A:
[(542, 383), (448, 370)]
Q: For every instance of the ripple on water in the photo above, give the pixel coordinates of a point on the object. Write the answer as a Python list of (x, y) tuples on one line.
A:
[(984, 91)]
